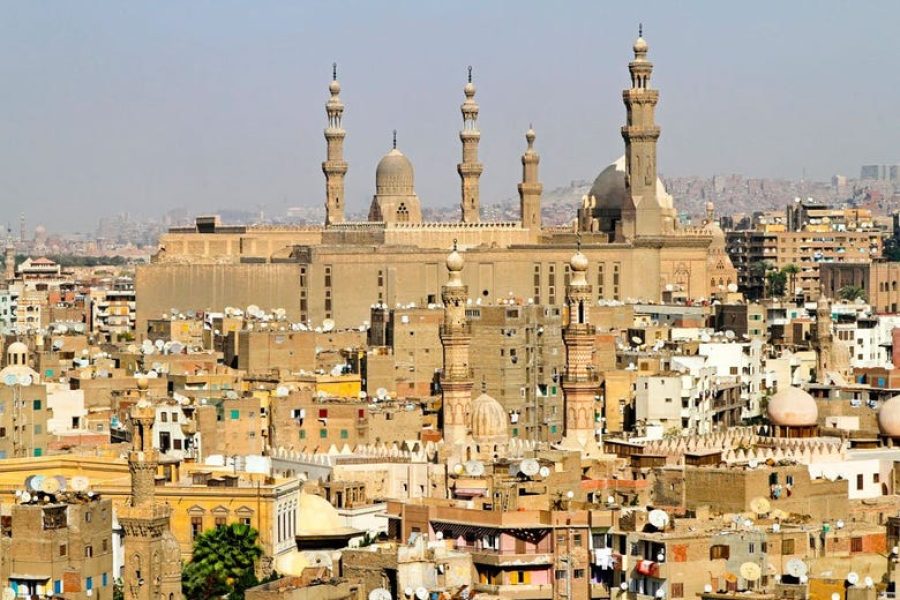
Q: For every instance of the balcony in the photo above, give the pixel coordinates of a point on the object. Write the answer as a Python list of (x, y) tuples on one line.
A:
[(500, 558)]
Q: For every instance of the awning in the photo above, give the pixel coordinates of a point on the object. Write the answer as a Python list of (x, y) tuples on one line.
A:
[(647, 567), (469, 492)]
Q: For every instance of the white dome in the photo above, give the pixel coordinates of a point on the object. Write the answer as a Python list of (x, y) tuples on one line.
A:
[(792, 407), (889, 417), (488, 420), (609, 188)]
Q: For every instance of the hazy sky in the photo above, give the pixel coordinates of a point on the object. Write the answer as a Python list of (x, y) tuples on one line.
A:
[(135, 106)]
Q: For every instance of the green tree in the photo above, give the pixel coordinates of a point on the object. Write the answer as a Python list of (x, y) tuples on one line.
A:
[(791, 271), (223, 564), (777, 283), (851, 293)]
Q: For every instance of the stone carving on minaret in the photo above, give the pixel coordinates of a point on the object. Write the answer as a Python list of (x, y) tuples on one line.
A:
[(334, 166), (456, 376), (470, 169)]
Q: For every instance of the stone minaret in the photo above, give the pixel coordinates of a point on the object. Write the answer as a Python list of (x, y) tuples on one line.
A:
[(152, 554), (10, 259), (642, 215), (334, 167), (456, 377), (470, 169), (530, 189), (824, 340), (580, 383)]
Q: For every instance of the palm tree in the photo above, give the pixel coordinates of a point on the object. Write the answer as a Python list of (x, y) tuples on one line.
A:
[(791, 271), (223, 563), (851, 293)]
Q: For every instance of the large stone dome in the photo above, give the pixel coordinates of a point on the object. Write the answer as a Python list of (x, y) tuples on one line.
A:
[(488, 421), (394, 175), (317, 516), (609, 188), (792, 407), (889, 417)]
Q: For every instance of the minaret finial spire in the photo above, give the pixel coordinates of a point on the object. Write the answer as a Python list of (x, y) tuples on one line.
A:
[(578, 241), (334, 71), (395, 139), (640, 30), (454, 245), (470, 73)]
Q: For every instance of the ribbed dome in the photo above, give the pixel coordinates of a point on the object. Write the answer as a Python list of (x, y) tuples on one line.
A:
[(889, 417), (792, 407), (394, 175), (609, 188), (17, 348), (488, 420)]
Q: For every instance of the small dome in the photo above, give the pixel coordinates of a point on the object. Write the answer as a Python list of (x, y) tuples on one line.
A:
[(640, 46), (334, 87), (455, 262), (579, 262), (394, 175), (17, 348), (469, 90), (792, 407), (488, 420), (889, 417)]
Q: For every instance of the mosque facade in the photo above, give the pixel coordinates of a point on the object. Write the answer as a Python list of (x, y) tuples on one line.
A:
[(627, 227)]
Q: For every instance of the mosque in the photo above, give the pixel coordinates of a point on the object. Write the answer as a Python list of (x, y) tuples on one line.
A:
[(627, 226)]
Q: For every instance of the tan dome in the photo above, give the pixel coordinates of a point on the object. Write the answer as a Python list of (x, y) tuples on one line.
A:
[(17, 348), (640, 46), (455, 262), (792, 407), (889, 417), (488, 420), (394, 175), (317, 516)]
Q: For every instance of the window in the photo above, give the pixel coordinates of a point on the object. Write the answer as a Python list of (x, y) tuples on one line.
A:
[(718, 551), (302, 434), (89, 583), (57, 586), (576, 540), (104, 545), (677, 590), (36, 405), (773, 478), (88, 516), (88, 551), (235, 414), (104, 579), (246, 521), (323, 433), (323, 413), (38, 429), (789, 479), (578, 574), (196, 526), (856, 544), (751, 548), (164, 417), (221, 521), (876, 477), (344, 434), (859, 482), (787, 546), (560, 574), (560, 539), (63, 550)]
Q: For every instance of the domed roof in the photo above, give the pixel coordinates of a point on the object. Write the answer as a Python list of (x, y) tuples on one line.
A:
[(488, 420), (792, 407), (317, 516), (640, 46), (17, 348), (609, 188), (291, 564), (394, 174), (889, 417)]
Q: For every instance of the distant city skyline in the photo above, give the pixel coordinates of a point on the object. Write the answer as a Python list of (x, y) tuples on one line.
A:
[(141, 107)]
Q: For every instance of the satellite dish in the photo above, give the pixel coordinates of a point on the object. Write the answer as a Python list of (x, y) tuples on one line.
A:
[(637, 340), (379, 594), (50, 486), (25, 379), (35, 482), (381, 393), (544, 471), (760, 506), (439, 535), (281, 391), (658, 518), (61, 481), (750, 571), (80, 483), (852, 578), (776, 527), (869, 582), (25, 497), (458, 468), (660, 593), (707, 588), (529, 467), (408, 592), (732, 287), (421, 593), (839, 524), (752, 463), (804, 578), (176, 348), (231, 395), (796, 568), (159, 344), (475, 468), (328, 325)]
